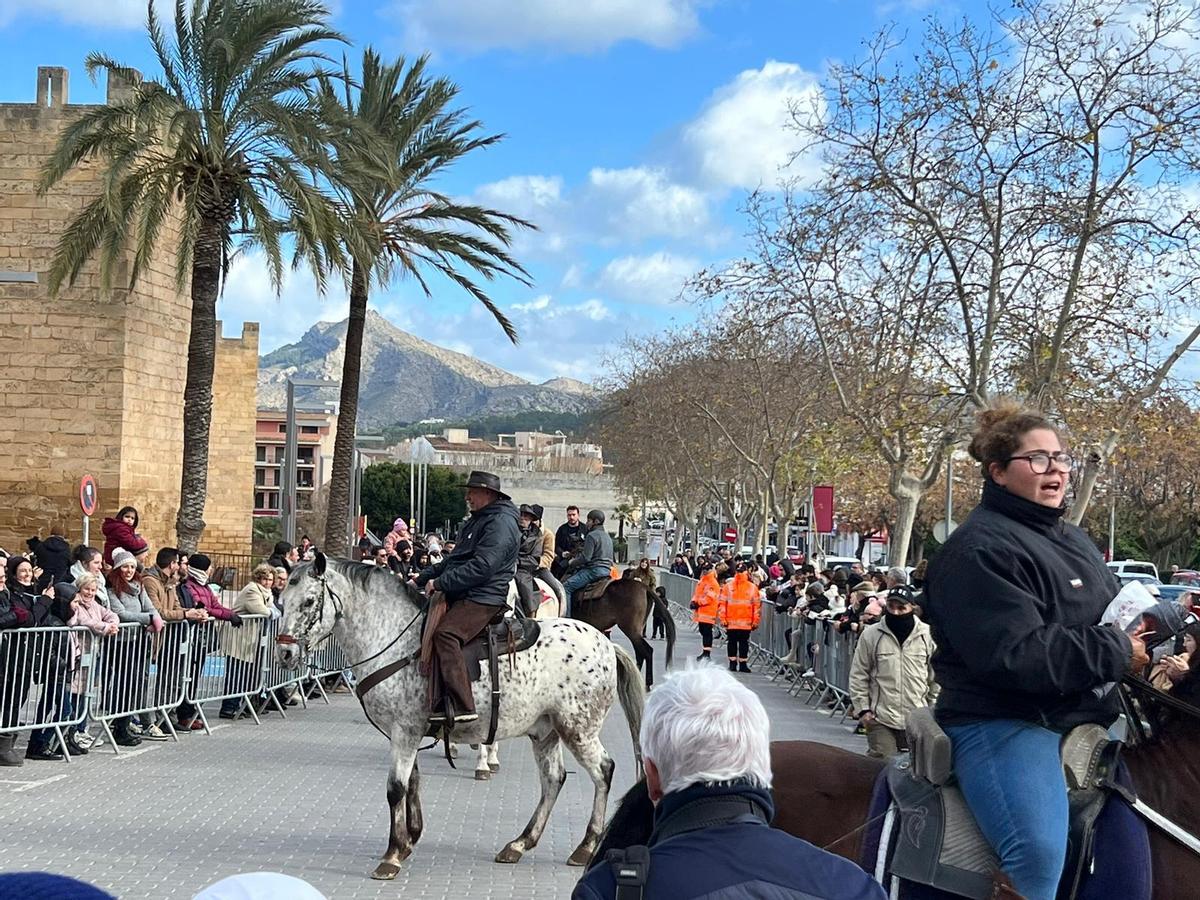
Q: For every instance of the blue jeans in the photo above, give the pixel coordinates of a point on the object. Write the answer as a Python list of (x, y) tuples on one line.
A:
[(1011, 776), (582, 579)]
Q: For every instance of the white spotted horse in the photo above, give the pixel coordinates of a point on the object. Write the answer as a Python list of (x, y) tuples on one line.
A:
[(558, 691)]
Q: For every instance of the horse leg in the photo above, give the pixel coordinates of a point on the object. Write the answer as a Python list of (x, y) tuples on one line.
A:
[(412, 808), (400, 840), (643, 650), (493, 757), (482, 771), (547, 750), (595, 760)]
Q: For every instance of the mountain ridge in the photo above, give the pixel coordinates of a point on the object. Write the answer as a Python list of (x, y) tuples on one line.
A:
[(406, 378)]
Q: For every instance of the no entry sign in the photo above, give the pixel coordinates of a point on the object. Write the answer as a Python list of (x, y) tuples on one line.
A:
[(730, 535), (87, 495)]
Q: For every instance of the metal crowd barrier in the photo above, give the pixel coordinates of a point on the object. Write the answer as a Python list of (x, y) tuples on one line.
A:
[(816, 658), (45, 678)]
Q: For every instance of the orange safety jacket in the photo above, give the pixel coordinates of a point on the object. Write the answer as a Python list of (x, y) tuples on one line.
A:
[(707, 597), (740, 609)]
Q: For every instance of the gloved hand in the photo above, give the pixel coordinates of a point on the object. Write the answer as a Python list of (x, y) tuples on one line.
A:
[(235, 620), (693, 605)]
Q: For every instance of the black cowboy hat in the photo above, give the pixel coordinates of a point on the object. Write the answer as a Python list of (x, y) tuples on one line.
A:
[(533, 510), (488, 481)]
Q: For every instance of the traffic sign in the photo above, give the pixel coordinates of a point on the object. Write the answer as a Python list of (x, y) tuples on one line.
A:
[(730, 535), (87, 495), (941, 531)]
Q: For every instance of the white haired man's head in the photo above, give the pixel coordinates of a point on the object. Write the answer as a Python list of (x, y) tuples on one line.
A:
[(701, 726), (896, 575)]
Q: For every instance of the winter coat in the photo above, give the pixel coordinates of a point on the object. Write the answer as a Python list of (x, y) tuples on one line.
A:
[(118, 534), (53, 557), (194, 595), (547, 559), (392, 538), (96, 618), (734, 858), (529, 552), (740, 609), (20, 608), (163, 595), (484, 560), (568, 536), (706, 599), (892, 679), (132, 605), (242, 643), (597, 551), (1014, 598)]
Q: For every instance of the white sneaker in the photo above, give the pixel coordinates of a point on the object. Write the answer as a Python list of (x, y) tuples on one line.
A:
[(84, 739), (153, 733), (135, 728)]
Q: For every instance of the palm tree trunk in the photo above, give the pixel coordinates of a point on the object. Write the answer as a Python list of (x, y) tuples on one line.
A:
[(336, 541), (197, 392)]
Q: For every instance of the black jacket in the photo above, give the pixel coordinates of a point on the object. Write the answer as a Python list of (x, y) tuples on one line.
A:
[(529, 555), (53, 558), (1013, 599), (35, 608), (568, 537), (484, 559)]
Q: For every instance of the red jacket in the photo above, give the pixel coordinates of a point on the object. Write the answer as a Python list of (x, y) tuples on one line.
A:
[(740, 609), (118, 534), (200, 597)]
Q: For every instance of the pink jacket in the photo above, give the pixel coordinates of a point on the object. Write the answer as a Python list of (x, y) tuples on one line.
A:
[(95, 617), (201, 595)]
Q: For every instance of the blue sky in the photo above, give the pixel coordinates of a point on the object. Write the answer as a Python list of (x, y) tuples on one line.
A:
[(634, 129)]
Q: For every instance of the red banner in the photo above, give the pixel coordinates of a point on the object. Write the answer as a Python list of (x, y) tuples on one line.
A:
[(823, 508)]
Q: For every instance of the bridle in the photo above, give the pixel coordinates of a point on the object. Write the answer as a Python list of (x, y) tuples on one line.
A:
[(316, 616)]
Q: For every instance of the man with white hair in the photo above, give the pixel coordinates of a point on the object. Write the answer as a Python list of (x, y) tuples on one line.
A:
[(706, 747)]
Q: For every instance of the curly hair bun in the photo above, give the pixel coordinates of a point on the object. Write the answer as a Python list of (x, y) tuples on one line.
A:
[(1001, 429)]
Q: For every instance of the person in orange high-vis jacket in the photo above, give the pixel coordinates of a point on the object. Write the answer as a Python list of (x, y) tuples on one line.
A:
[(705, 599), (740, 611)]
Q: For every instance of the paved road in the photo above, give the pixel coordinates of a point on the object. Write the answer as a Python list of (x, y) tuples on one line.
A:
[(306, 797)]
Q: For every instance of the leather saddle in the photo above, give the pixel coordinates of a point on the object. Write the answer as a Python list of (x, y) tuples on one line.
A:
[(593, 591), (930, 836), (503, 635)]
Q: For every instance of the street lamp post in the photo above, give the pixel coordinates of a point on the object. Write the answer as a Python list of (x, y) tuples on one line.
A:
[(287, 474)]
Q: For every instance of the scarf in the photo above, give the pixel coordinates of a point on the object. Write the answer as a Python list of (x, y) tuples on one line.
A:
[(900, 626), (198, 575)]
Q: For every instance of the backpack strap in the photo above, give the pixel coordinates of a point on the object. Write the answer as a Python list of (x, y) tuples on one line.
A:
[(631, 870)]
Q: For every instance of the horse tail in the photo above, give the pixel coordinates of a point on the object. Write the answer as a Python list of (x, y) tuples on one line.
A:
[(632, 694), (660, 607)]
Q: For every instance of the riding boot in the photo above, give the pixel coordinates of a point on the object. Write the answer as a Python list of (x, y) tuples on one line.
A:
[(704, 654), (733, 665), (8, 756)]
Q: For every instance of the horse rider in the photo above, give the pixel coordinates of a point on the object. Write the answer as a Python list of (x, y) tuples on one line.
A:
[(547, 558), (570, 533), (474, 579), (593, 562), (529, 557)]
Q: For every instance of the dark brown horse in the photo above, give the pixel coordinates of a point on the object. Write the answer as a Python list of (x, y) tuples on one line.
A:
[(626, 604), (823, 794)]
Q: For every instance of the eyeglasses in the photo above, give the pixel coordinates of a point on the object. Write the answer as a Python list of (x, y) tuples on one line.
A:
[(1039, 461)]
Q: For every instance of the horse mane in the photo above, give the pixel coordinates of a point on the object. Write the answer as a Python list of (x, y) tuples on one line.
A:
[(360, 575)]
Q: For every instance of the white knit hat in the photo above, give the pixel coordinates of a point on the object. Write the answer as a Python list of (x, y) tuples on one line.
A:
[(122, 557)]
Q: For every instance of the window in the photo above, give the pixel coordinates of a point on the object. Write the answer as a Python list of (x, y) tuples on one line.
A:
[(260, 500), (308, 429), (304, 478), (304, 456), (260, 478), (260, 454), (283, 428)]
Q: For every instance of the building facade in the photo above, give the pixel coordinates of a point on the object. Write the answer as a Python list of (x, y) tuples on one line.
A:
[(315, 434)]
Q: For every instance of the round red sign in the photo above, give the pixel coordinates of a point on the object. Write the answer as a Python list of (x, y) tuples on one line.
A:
[(87, 495), (730, 534)]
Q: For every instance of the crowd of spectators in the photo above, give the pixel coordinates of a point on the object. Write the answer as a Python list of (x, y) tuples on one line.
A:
[(119, 600)]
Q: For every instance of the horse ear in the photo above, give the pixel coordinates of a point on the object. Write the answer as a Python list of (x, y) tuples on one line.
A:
[(319, 564)]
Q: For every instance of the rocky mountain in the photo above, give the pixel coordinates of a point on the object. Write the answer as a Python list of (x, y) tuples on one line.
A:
[(406, 379)]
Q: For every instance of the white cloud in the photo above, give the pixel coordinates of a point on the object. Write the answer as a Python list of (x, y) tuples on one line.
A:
[(744, 136), (534, 305), (642, 202), (579, 25), (113, 14), (657, 278), (248, 297)]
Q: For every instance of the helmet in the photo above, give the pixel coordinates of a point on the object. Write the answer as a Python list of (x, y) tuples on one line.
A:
[(595, 515)]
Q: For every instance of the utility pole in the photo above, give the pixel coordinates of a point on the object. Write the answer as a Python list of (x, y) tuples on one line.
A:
[(1112, 511)]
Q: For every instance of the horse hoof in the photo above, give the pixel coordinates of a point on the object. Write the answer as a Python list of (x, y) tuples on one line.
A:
[(483, 774), (581, 857), (454, 751), (509, 855), (495, 767), (385, 872)]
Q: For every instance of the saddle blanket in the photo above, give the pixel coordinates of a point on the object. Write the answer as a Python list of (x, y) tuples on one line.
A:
[(1121, 862)]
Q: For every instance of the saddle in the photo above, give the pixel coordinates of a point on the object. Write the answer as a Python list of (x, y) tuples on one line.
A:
[(593, 591), (929, 836), (508, 635)]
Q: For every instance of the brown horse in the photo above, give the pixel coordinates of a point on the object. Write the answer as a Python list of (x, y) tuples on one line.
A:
[(626, 604), (823, 794)]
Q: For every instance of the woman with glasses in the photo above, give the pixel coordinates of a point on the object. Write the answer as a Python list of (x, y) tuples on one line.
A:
[(1014, 598)]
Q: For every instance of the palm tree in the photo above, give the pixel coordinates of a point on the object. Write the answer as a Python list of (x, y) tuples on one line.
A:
[(225, 148), (395, 134)]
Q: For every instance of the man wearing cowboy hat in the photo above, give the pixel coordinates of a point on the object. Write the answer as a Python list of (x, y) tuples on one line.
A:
[(474, 578)]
